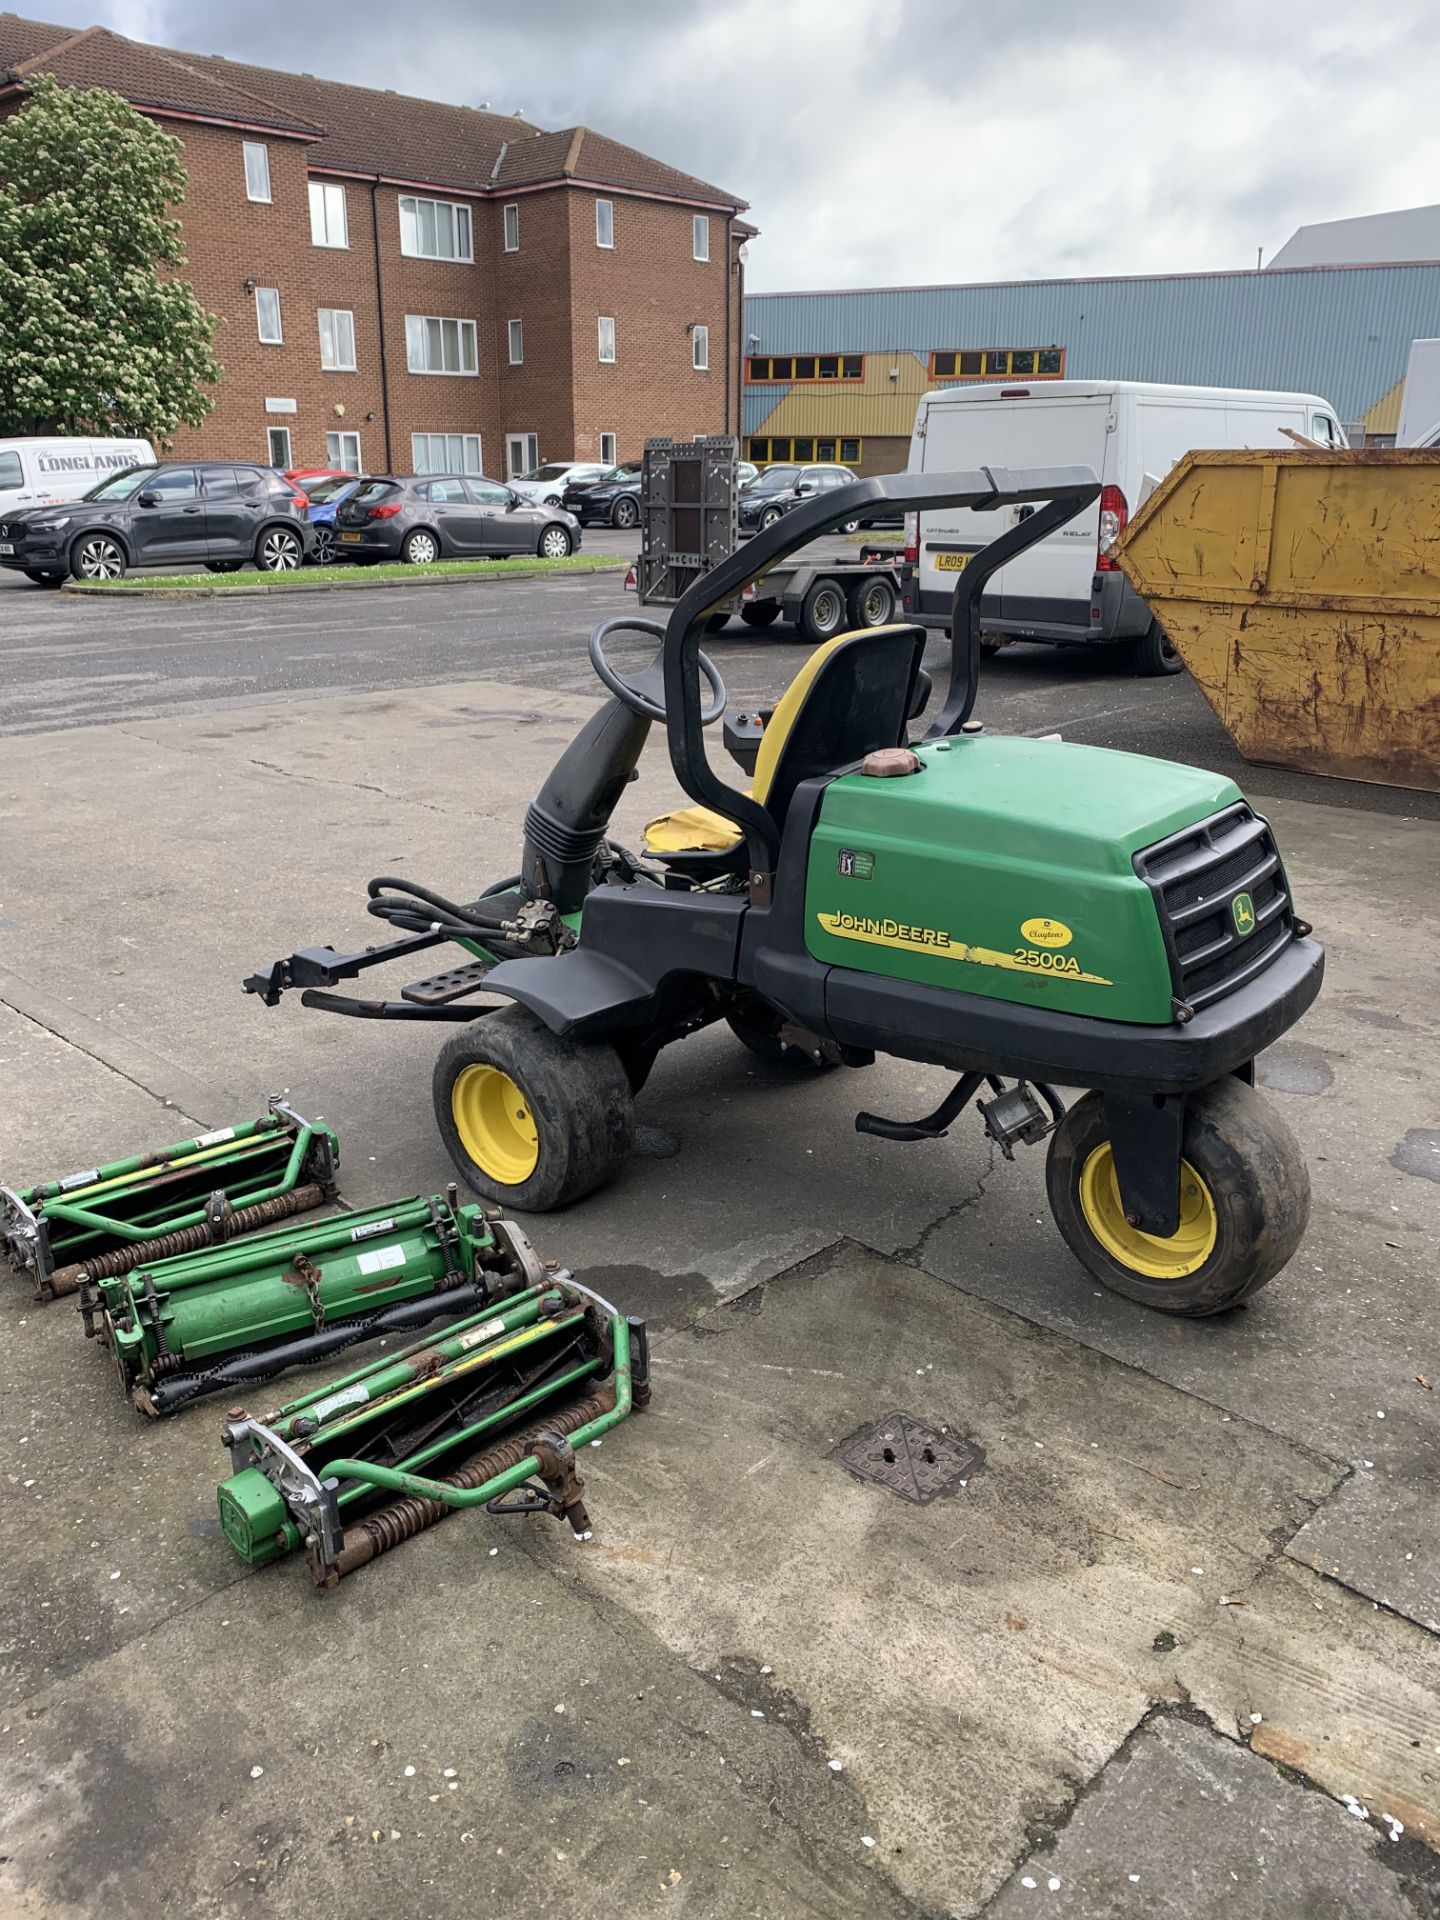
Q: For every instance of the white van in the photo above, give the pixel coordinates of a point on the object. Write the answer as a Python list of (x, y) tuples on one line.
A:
[(41, 473), (1066, 590)]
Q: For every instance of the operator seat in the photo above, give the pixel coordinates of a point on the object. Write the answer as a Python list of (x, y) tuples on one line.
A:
[(853, 695)]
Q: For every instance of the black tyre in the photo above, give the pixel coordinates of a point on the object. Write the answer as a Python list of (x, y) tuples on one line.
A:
[(95, 556), (763, 614), (1155, 653), (757, 1027), (822, 615), (625, 512), (279, 550), (421, 548), (769, 517), (553, 500), (44, 579), (322, 554), (223, 566), (1244, 1203), (530, 1120), (849, 526), (871, 603), (555, 543), (717, 623)]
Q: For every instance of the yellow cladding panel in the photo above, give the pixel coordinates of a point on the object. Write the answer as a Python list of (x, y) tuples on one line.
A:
[(1303, 592), (858, 409), (1384, 416)]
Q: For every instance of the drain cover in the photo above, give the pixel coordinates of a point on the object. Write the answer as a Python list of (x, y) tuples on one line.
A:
[(903, 1455)]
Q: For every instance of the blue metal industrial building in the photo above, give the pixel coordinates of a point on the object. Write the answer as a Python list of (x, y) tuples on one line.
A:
[(836, 375)]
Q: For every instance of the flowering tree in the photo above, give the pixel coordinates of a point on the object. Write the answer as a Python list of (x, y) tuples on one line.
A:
[(98, 333)]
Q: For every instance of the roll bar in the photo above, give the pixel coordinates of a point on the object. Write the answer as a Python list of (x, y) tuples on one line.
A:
[(1059, 493)]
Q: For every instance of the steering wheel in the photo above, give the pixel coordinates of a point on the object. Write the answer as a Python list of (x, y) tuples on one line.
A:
[(644, 693)]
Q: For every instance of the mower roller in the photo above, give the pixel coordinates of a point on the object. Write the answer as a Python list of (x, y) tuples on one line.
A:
[(1025, 913), (493, 1410), (196, 1193), (210, 1322)]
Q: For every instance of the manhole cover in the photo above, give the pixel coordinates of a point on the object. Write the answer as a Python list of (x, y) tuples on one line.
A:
[(903, 1455)]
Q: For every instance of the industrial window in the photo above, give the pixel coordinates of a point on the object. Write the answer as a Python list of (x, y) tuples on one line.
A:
[(700, 349), (329, 226), (445, 452), (342, 450), (992, 363), (517, 343), (278, 443), (435, 229), (806, 366), (700, 237), (337, 340), (604, 223), (257, 171), (803, 448), (849, 452), (512, 227), (765, 453), (433, 345), (267, 316), (607, 338), (607, 449)]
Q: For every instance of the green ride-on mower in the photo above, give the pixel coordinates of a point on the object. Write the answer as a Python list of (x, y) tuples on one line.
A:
[(1025, 913)]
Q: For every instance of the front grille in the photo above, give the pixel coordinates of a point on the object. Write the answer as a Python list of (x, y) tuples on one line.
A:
[(1196, 877)]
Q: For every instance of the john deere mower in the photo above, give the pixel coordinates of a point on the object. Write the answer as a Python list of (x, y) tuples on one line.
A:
[(1024, 913)]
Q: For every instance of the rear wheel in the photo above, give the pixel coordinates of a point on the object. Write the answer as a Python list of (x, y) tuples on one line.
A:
[(871, 603), (279, 551), (1155, 653), (555, 543), (763, 614), (530, 1120), (95, 556), (625, 512), (823, 613), (323, 552), (1244, 1202), (420, 548)]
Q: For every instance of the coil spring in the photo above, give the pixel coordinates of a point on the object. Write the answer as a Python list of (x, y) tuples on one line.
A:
[(106, 1266)]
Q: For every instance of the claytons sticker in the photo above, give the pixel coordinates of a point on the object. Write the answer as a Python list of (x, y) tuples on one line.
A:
[(1046, 933), (906, 938)]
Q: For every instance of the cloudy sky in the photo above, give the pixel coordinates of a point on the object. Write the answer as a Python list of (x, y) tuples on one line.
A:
[(884, 141)]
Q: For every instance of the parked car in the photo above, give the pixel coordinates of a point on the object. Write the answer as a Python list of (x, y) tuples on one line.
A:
[(746, 472), (325, 492), (36, 472), (545, 486), (447, 517), (781, 488), (302, 476), (210, 513), (611, 501)]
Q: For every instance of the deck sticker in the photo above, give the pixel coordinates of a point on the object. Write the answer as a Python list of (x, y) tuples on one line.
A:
[(1242, 912), (220, 1135), (856, 864), (477, 1336), (73, 1180), (379, 1259), (346, 1397), (371, 1228), (904, 938), (1045, 933)]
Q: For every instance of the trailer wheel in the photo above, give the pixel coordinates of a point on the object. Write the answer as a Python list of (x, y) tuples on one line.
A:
[(871, 603), (1244, 1203), (823, 613), (763, 613), (1155, 653), (530, 1120)]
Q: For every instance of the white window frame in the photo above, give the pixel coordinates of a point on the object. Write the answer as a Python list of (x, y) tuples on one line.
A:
[(609, 450), (603, 321), (700, 349), (700, 237), (512, 226), (336, 364), (456, 446), (272, 434), (262, 166), (609, 221), (323, 198), (455, 208), (417, 328), (530, 442), (515, 332), (338, 461), (276, 339)]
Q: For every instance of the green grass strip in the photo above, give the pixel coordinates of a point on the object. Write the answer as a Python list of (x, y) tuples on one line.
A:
[(352, 575)]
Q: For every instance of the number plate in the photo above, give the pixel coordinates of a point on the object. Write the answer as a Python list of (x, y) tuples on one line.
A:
[(6, 548), (352, 536), (951, 562)]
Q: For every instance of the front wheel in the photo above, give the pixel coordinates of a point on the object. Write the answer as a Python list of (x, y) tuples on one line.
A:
[(97, 557), (1155, 653), (625, 513), (322, 554), (279, 551), (530, 1120), (769, 517), (555, 543), (823, 613), (764, 613), (1244, 1203), (223, 566), (44, 579)]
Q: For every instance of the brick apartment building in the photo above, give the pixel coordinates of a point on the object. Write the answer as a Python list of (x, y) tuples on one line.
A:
[(407, 285)]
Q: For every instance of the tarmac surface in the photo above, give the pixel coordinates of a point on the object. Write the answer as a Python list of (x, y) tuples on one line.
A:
[(1168, 1648)]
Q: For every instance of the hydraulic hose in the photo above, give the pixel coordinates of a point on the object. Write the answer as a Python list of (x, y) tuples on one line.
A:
[(405, 903)]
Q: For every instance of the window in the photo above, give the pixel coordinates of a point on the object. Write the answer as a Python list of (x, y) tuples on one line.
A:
[(998, 363), (512, 228), (257, 171), (517, 343), (604, 223), (444, 493), (337, 340), (329, 226), (279, 447), (850, 452), (822, 366), (802, 449), (435, 229), (12, 475), (174, 483), (607, 450), (700, 237), (607, 338), (267, 315), (700, 349), (433, 345), (487, 493), (342, 451), (445, 452)]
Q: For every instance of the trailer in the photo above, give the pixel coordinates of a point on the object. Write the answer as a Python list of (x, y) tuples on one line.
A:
[(688, 526)]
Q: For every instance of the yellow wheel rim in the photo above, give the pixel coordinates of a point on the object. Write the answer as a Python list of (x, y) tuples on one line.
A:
[(495, 1124), (1186, 1250)]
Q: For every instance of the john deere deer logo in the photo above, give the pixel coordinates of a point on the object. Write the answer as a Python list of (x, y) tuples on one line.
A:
[(1242, 912)]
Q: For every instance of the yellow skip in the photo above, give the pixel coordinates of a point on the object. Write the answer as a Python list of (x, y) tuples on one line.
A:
[(933, 940)]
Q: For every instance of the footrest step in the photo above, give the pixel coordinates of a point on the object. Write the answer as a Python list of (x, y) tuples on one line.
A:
[(441, 988)]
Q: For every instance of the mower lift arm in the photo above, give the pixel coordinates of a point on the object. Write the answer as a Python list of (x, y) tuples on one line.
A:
[(323, 966)]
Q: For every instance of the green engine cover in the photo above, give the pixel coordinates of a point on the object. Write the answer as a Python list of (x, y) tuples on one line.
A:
[(1004, 868)]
